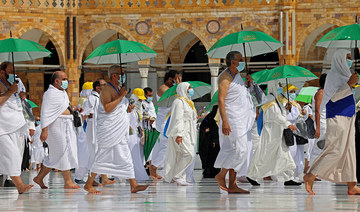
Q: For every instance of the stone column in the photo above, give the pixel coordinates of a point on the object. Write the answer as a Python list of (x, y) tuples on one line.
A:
[(144, 72), (73, 73), (214, 72), (161, 76)]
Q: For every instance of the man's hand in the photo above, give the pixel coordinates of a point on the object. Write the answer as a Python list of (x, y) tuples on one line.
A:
[(288, 106), (178, 140), (292, 127), (303, 112), (317, 133), (249, 79), (22, 95), (13, 88), (354, 78), (44, 135), (226, 128), (122, 91)]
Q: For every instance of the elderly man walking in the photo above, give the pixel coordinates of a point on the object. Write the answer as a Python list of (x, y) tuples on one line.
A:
[(58, 131)]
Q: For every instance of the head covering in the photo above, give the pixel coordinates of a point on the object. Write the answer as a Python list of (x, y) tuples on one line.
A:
[(181, 90), (85, 93), (138, 105), (139, 93), (289, 87), (272, 90), (338, 75), (87, 85)]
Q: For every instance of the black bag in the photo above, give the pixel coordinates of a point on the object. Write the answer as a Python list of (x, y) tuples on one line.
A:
[(289, 137), (300, 140), (77, 119), (310, 127), (321, 144)]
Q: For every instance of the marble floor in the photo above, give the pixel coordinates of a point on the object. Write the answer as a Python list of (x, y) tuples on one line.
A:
[(204, 196)]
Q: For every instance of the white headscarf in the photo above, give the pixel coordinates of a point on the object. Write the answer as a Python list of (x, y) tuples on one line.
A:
[(181, 90), (138, 105), (338, 75), (272, 88)]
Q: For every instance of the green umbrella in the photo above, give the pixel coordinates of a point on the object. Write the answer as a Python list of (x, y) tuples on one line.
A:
[(341, 37), (214, 100), (200, 89), (151, 137), (32, 104), (285, 72), (120, 51), (306, 94)]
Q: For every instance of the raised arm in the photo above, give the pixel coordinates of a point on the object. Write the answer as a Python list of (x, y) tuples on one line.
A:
[(106, 99), (4, 97)]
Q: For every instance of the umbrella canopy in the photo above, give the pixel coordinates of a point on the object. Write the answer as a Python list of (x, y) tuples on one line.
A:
[(341, 37), (32, 104), (256, 43), (200, 89), (282, 73), (22, 50), (214, 100), (120, 51), (306, 94), (151, 137)]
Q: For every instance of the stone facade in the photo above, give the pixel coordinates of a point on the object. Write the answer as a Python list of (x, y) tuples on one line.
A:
[(168, 24)]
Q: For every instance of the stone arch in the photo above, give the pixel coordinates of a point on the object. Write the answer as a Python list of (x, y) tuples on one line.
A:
[(187, 48), (53, 37), (301, 39), (97, 30)]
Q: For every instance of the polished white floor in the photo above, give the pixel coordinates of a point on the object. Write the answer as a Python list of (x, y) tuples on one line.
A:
[(204, 196)]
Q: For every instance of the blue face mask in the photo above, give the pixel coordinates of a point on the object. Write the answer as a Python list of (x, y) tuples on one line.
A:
[(241, 66), (64, 84), (191, 92), (349, 63), (292, 96), (37, 123), (11, 78), (122, 79), (149, 99), (279, 90)]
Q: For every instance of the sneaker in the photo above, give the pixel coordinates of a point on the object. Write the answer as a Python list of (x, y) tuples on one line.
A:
[(9, 183), (79, 181), (252, 182), (182, 182), (291, 183)]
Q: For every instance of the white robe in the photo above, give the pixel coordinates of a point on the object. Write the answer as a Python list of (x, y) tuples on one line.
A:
[(91, 107), (272, 157), (61, 131), (240, 114), (113, 156), (137, 150), (38, 151), (179, 157), (12, 124), (150, 109)]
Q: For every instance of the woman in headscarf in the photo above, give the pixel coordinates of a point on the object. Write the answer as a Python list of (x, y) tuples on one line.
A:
[(272, 157), (337, 162), (181, 135)]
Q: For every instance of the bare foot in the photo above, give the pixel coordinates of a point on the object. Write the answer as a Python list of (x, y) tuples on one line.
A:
[(71, 186), (221, 182), (158, 177), (354, 191), (139, 188), (237, 190), (91, 190), (24, 188), (40, 183), (107, 182), (97, 184), (309, 182)]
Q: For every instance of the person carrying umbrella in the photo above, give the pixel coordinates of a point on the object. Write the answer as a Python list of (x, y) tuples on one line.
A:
[(337, 162), (237, 114)]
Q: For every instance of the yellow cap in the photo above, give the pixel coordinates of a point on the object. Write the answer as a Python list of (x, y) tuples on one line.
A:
[(139, 93), (87, 85), (355, 86), (289, 87)]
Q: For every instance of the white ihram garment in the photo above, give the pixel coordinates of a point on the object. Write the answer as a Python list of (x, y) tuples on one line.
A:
[(12, 124), (113, 156), (61, 131), (38, 150), (241, 114)]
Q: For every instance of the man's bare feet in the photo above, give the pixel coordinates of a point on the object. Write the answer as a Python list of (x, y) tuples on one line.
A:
[(139, 188), (221, 182), (71, 185), (309, 182), (40, 182), (354, 191), (107, 181), (91, 190), (24, 188), (236, 190), (97, 184)]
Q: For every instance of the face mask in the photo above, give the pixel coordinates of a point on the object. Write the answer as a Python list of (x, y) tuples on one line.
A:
[(292, 96), (37, 123), (149, 99), (64, 84), (241, 66), (353, 91), (279, 90), (11, 78), (191, 92), (122, 79), (349, 63), (174, 82)]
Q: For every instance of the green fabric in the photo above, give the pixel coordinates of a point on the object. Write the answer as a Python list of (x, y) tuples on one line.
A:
[(32, 104), (306, 94), (130, 51), (256, 43), (150, 140), (23, 50), (341, 37)]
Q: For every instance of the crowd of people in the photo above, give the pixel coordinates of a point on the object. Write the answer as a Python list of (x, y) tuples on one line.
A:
[(103, 137)]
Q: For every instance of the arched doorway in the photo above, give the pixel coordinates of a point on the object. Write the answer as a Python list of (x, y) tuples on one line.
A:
[(52, 60)]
